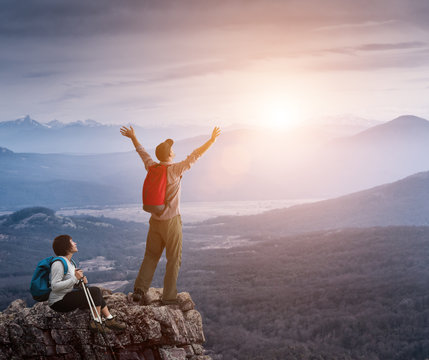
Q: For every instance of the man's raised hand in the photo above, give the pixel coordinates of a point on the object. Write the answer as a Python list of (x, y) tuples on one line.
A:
[(215, 133), (128, 132)]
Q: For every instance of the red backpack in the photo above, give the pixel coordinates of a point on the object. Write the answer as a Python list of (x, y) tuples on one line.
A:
[(154, 188)]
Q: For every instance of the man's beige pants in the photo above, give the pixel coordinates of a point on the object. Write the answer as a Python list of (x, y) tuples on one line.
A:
[(162, 234)]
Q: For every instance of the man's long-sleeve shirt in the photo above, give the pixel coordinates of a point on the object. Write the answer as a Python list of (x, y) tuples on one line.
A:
[(174, 176)]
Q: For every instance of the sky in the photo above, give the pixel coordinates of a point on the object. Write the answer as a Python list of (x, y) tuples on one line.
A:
[(159, 63)]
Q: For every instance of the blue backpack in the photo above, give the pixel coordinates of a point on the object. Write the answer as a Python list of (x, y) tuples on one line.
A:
[(40, 286)]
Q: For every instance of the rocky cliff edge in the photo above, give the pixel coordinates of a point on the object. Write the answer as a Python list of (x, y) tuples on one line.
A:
[(154, 332)]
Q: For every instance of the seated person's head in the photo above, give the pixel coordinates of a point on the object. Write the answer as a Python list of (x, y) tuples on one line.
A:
[(62, 245)]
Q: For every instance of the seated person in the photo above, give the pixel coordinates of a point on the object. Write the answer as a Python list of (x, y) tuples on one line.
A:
[(64, 296)]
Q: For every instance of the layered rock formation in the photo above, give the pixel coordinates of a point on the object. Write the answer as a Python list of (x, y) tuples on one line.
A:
[(154, 332)]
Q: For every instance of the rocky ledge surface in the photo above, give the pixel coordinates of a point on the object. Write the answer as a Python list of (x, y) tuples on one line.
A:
[(154, 332)]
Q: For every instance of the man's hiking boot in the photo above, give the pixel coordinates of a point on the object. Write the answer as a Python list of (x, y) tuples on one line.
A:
[(137, 295), (170, 302), (115, 324), (96, 326)]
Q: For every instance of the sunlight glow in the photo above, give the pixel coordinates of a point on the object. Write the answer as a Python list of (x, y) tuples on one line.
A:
[(278, 114), (276, 111)]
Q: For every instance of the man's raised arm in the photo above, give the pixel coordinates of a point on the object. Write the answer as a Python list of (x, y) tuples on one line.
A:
[(186, 164), (202, 149), (129, 133)]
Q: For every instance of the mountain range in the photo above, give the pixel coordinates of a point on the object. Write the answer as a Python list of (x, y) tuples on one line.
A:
[(82, 137), (91, 137), (246, 164)]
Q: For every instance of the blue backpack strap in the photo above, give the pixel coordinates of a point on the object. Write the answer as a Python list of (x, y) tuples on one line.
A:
[(59, 258)]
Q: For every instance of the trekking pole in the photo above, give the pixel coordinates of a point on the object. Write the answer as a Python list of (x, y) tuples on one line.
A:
[(95, 315), (93, 310)]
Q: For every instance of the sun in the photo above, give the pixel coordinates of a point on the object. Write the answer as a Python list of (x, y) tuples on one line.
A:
[(276, 110), (278, 113)]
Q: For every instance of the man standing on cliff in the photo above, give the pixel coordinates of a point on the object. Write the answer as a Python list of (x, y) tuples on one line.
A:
[(165, 230)]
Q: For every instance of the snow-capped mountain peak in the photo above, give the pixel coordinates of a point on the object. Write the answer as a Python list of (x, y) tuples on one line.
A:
[(25, 121)]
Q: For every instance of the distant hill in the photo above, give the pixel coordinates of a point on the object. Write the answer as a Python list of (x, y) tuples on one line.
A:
[(406, 127), (32, 230), (4, 151), (405, 202), (26, 237), (378, 155)]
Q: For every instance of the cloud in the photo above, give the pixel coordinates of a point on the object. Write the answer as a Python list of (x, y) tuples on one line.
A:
[(50, 18), (372, 63), (351, 50), (358, 25), (53, 18), (392, 46), (373, 56), (68, 95), (39, 74)]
